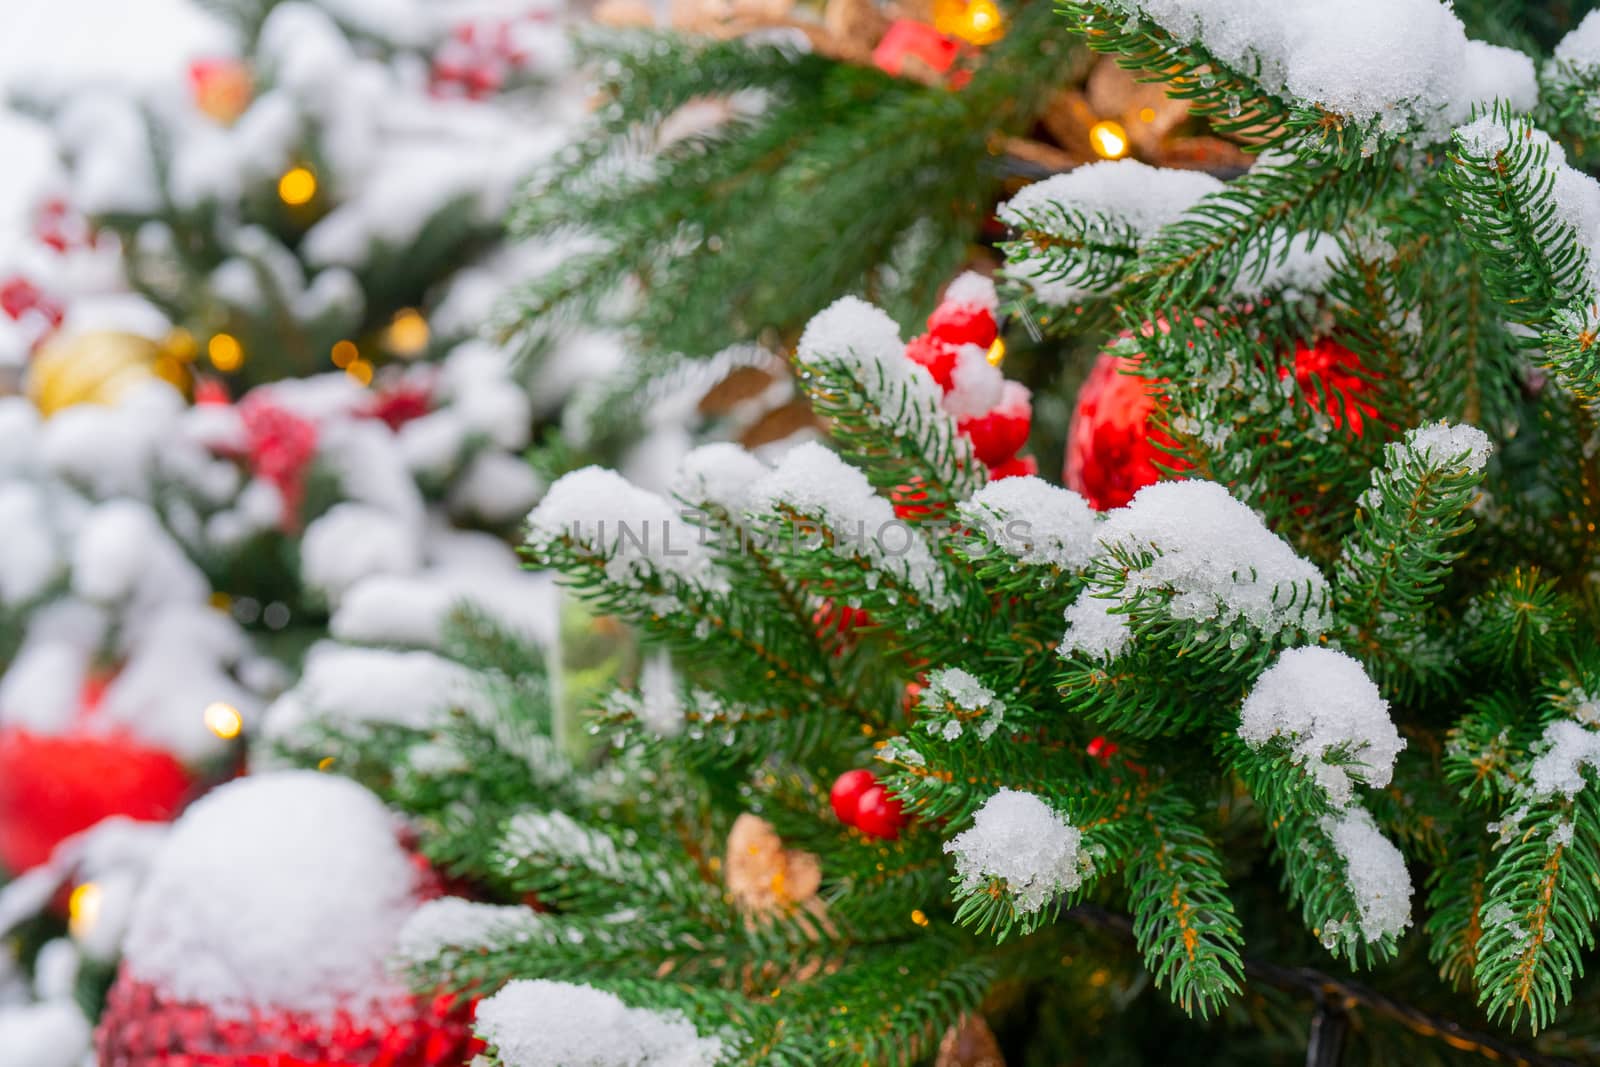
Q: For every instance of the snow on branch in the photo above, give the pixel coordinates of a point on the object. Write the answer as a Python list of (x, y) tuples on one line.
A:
[(1020, 841), (559, 1024), (1330, 714), (1391, 67)]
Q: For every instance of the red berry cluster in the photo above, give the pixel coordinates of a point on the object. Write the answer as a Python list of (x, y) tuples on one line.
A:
[(58, 227), (858, 800), (479, 58), (399, 402), (142, 1027), (994, 414), (280, 446)]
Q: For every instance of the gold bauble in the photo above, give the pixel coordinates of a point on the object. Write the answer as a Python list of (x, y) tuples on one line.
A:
[(97, 367)]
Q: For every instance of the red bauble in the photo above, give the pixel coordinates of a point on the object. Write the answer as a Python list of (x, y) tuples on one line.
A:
[(1329, 375), (52, 787), (880, 814), (845, 796), (963, 324), (142, 1027), (938, 356), (997, 436), (1015, 467), (1112, 450), (281, 446)]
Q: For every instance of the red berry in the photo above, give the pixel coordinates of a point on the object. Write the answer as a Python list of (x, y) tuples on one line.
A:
[(963, 324), (1015, 467), (938, 356), (1101, 749), (999, 435), (880, 814), (847, 791)]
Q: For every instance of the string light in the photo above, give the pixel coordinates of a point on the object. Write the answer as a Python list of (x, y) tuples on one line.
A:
[(226, 353), (83, 909), (974, 21), (223, 720), (344, 353), (297, 186), (407, 333), (1109, 139), (361, 371), (997, 352), (918, 917), (1147, 114)]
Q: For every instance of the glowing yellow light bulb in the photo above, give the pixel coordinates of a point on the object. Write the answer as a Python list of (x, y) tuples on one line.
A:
[(918, 917), (997, 352), (1109, 139), (973, 21), (181, 345), (361, 371), (223, 720), (344, 353), (407, 334), (83, 909), (226, 353), (297, 186)]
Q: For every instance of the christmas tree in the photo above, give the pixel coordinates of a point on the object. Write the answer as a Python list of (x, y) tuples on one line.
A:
[(933, 754)]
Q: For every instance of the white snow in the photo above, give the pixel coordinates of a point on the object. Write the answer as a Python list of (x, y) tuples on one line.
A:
[(1440, 444), (1218, 559), (816, 484), (1566, 751), (1019, 839), (955, 696), (348, 687), (1093, 630), (1375, 871), (639, 532), (1101, 201), (720, 474), (285, 890), (52, 1033), (1580, 49), (867, 342), (412, 609), (451, 922), (558, 1024), (29, 558), (1033, 521), (1320, 701), (970, 287), (351, 542), (976, 385), (495, 487), (1404, 64)]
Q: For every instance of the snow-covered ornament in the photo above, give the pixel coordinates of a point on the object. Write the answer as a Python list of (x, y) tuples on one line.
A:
[(962, 350), (53, 786), (262, 934)]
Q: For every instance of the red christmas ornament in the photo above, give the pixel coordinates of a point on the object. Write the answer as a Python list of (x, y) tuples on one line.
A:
[(1015, 467), (880, 814), (846, 793), (142, 1027), (909, 39), (1112, 449), (997, 436), (963, 324), (938, 356), (281, 447), (399, 403), (54, 786), (1329, 375)]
